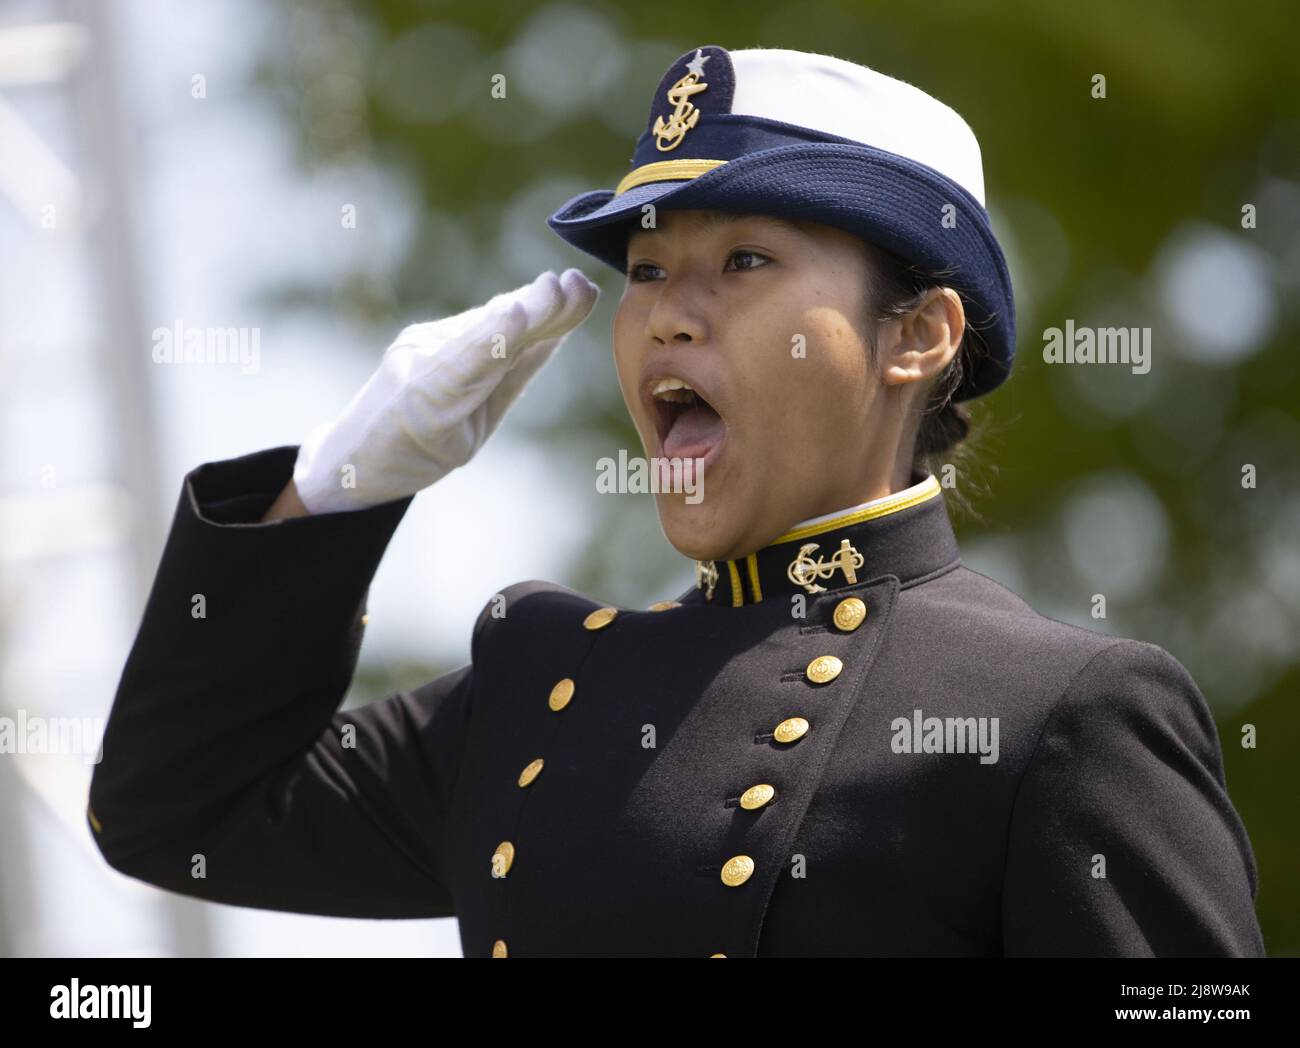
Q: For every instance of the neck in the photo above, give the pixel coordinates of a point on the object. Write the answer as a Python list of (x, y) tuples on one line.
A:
[(909, 483), (905, 533)]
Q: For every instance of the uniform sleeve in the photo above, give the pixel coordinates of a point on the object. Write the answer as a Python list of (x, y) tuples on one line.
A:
[(228, 772), (1128, 771)]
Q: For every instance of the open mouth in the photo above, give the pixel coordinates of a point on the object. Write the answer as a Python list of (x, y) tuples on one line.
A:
[(688, 426)]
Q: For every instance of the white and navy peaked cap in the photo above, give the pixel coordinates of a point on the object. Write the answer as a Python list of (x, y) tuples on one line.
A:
[(813, 137)]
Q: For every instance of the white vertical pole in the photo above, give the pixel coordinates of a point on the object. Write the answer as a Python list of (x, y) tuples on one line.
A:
[(105, 136)]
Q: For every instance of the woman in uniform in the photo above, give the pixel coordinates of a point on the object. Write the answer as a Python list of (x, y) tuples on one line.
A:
[(840, 741)]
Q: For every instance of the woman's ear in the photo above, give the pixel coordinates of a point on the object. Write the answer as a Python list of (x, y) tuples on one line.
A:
[(921, 343)]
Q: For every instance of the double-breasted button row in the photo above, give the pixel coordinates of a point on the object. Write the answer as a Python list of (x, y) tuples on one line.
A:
[(848, 615), (561, 694)]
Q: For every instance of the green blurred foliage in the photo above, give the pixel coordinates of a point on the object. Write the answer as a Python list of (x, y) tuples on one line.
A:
[(1201, 116)]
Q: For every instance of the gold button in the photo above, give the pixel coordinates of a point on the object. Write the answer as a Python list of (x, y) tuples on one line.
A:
[(502, 859), (849, 614), (737, 870), (824, 668), (499, 948), (756, 796), (530, 773), (561, 694), (664, 605), (790, 729), (365, 619), (600, 618), (717, 955)]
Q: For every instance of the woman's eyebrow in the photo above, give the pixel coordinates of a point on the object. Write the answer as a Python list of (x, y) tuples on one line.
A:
[(715, 219), (722, 218)]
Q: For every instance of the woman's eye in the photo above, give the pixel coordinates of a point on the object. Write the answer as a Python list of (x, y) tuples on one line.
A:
[(635, 273), (750, 254)]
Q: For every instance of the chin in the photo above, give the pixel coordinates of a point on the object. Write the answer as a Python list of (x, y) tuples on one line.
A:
[(696, 530)]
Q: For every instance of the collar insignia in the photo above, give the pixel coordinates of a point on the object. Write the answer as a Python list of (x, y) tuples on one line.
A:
[(706, 574), (669, 133), (804, 571)]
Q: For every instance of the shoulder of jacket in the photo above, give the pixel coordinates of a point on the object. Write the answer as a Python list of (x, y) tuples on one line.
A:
[(1064, 657), (985, 607), (534, 604), (1134, 689), (1127, 666)]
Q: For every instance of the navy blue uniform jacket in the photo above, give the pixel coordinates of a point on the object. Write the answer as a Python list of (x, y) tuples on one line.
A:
[(719, 776)]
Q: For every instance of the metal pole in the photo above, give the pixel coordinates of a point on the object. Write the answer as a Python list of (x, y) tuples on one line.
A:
[(123, 343)]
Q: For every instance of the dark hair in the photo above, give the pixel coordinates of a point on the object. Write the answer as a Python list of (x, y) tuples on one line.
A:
[(947, 433)]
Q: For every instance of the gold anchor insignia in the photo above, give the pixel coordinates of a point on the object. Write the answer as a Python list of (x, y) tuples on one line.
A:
[(684, 116), (804, 571), (707, 575)]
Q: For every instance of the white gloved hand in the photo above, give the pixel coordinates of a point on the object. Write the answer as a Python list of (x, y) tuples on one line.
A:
[(440, 391)]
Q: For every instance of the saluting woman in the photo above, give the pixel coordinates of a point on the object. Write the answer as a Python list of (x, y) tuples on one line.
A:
[(840, 741)]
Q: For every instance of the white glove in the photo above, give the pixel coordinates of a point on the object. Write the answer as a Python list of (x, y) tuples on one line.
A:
[(440, 391)]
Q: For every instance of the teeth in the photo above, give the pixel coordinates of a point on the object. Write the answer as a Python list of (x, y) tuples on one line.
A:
[(674, 389)]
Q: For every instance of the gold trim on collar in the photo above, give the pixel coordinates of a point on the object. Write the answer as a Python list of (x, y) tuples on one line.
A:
[(751, 562), (665, 171), (928, 489), (737, 595)]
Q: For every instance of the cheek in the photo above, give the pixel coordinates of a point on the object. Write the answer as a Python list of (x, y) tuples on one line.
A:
[(626, 363), (623, 367), (840, 363), (800, 403)]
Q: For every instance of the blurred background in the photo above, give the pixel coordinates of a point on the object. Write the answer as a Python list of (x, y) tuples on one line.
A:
[(196, 165)]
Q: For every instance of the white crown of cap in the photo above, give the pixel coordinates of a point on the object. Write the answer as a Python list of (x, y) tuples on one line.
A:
[(842, 98)]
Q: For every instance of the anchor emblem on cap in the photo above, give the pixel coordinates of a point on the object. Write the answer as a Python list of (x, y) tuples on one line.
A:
[(669, 133), (804, 571)]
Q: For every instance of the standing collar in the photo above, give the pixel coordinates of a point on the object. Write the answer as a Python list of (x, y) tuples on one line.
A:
[(907, 534)]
